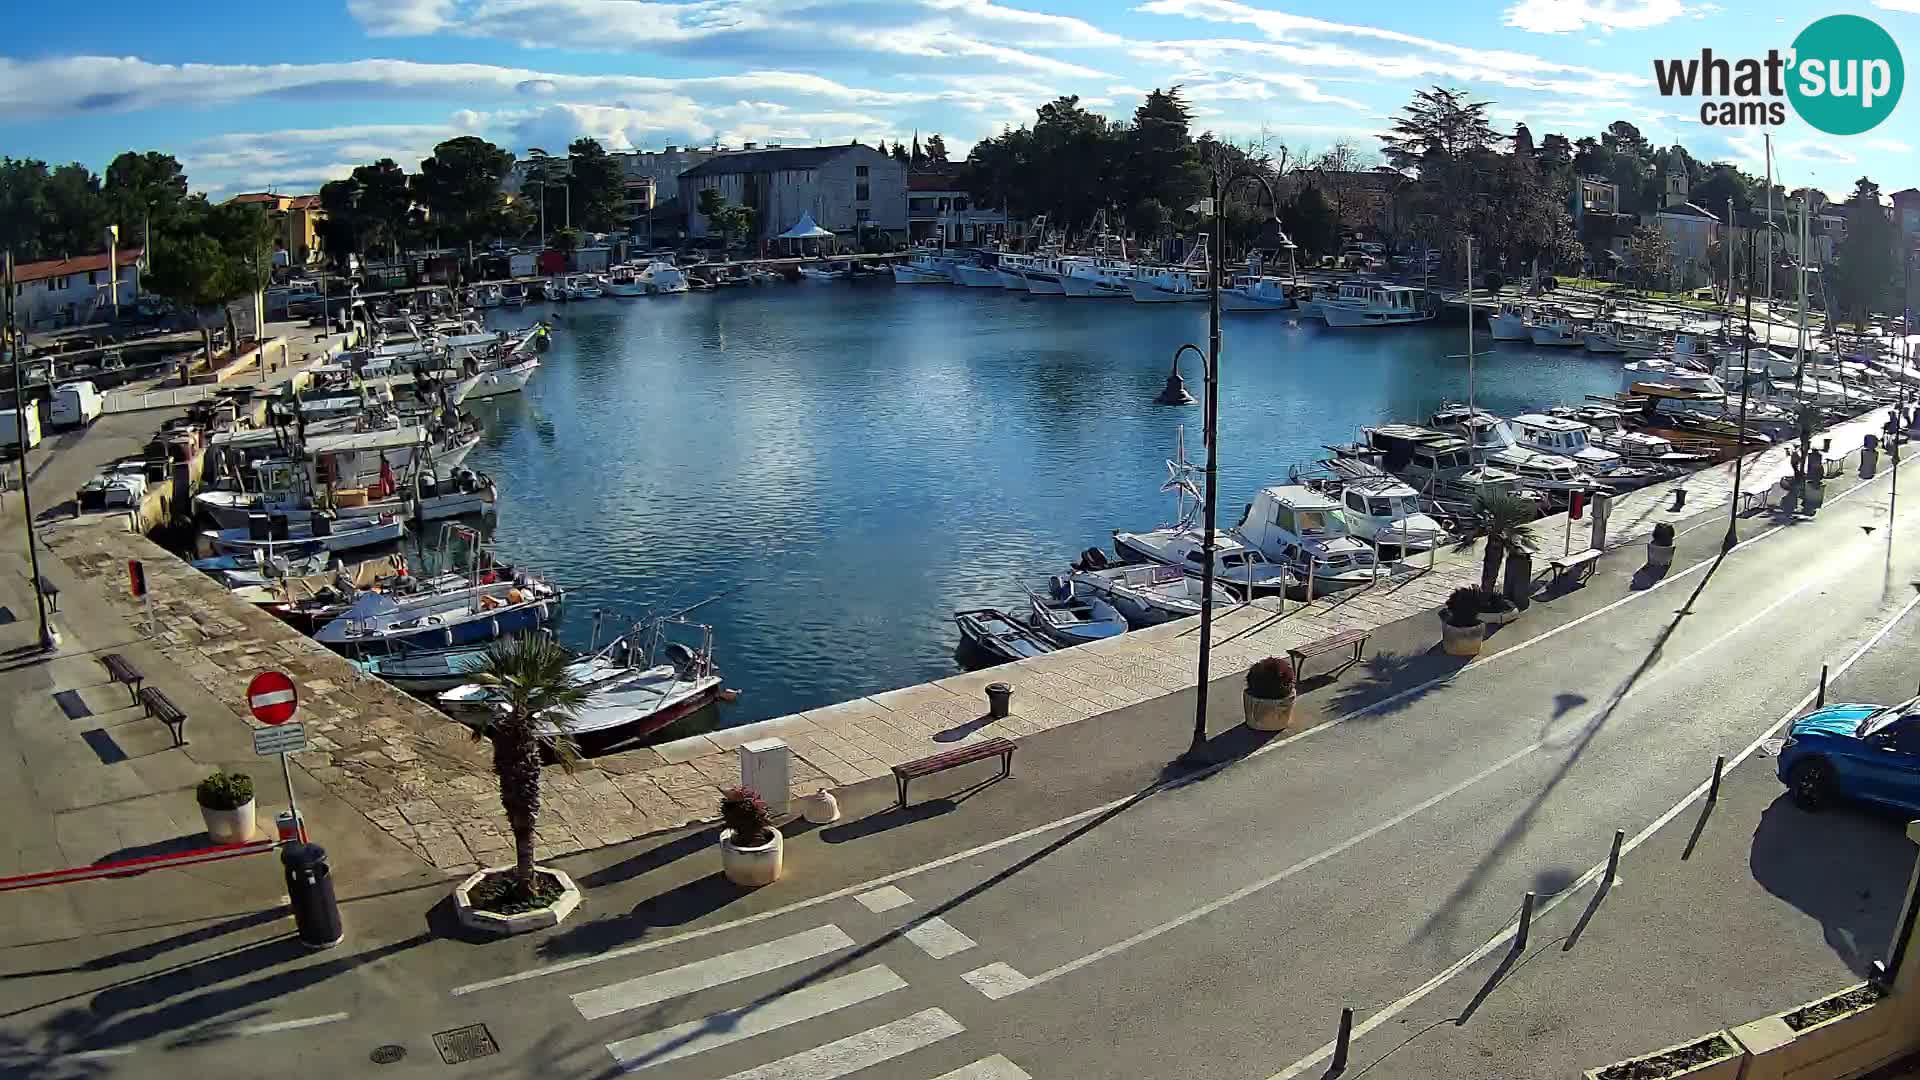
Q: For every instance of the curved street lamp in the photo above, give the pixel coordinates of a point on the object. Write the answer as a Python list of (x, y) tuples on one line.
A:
[(1175, 392)]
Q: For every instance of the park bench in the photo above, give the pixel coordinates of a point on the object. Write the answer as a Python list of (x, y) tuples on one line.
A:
[(953, 759), (1300, 654), (1578, 566), (161, 707), (1757, 500), (51, 591), (121, 670)]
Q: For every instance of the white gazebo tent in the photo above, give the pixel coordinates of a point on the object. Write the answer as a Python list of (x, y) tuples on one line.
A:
[(806, 229)]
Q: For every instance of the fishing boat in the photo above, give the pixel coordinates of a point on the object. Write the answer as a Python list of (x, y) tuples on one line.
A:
[(997, 637), (1099, 279), (1066, 617), (1169, 286), (424, 672), (1492, 441), (378, 623), (924, 268), (1011, 271), (1554, 327), (1252, 292), (553, 291), (1611, 338), (1381, 508), (1044, 275), (512, 375), (1610, 430), (1235, 564), (976, 275), (463, 492), (829, 272), (662, 278), (1367, 304), (1572, 439), (1308, 300), (1144, 595), (625, 281), (1510, 323), (1300, 528), (321, 532), (513, 294)]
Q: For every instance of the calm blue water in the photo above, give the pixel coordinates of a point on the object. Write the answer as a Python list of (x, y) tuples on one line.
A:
[(850, 463)]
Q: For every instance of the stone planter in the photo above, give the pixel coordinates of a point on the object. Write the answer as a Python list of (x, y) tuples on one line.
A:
[(521, 922), (1461, 640), (820, 808), (1844, 1045), (229, 826), (1499, 618), (1267, 714), (751, 867), (1725, 1066), (1659, 556)]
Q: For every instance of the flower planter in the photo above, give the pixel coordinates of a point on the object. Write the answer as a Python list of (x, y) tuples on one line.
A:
[(233, 826), (1499, 618), (1267, 714), (1846, 1044), (1659, 556), (751, 867), (1462, 640), (1725, 1063), (520, 922)]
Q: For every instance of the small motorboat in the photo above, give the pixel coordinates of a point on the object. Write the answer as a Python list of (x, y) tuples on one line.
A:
[(321, 532), (424, 672), (1067, 617), (997, 637), (827, 272), (1144, 595), (378, 623)]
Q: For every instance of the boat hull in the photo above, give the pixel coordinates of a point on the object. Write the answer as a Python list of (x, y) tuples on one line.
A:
[(1012, 279), (1509, 328), (1091, 288), (347, 540), (1235, 300), (1146, 292), (976, 277), (1045, 285), (508, 380), (1347, 317), (913, 275)]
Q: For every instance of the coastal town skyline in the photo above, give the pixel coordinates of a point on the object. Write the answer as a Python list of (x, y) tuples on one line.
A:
[(247, 106)]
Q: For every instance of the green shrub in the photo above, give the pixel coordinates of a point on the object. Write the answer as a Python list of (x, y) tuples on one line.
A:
[(1271, 678), (1463, 607), (747, 817), (225, 791)]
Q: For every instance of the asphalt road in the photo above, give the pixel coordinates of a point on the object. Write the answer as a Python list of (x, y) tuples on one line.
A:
[(1213, 927)]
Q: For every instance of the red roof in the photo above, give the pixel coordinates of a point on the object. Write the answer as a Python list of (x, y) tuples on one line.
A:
[(274, 199), (932, 181), (256, 197), (51, 268)]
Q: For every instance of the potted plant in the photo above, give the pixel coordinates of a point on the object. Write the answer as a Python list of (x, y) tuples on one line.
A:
[(1660, 547), (226, 805), (1270, 693), (750, 847), (1504, 520), (1496, 609), (1461, 631)]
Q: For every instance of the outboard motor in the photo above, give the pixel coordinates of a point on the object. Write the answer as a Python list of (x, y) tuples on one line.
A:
[(1092, 559), (685, 662), (1060, 587)]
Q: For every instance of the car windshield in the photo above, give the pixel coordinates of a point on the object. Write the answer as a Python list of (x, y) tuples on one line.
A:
[(1885, 715)]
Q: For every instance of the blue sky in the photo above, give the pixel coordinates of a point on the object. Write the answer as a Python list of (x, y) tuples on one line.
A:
[(288, 96)]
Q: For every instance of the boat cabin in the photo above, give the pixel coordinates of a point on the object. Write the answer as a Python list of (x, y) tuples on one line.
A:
[(1297, 526)]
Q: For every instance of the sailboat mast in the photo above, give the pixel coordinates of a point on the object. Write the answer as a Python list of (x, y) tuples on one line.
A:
[(1470, 407)]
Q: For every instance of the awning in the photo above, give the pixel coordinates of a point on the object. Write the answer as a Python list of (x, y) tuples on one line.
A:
[(805, 229)]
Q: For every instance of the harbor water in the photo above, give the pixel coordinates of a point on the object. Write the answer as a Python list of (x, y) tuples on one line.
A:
[(844, 465)]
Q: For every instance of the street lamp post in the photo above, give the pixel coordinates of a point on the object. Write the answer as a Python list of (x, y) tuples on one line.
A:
[(1740, 436), (1196, 752), (10, 336)]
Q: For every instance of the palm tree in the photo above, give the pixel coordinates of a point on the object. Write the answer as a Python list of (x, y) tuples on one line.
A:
[(1504, 520), (529, 675)]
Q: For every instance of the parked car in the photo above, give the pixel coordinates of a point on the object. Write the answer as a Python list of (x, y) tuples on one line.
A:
[(1864, 752)]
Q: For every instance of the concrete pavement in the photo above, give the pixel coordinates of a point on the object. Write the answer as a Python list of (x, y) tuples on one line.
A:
[(1100, 915)]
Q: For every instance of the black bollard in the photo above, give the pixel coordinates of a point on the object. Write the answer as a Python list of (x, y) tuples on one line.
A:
[(999, 700), (316, 914)]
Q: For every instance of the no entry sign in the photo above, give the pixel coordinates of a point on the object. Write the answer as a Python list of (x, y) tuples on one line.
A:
[(272, 698)]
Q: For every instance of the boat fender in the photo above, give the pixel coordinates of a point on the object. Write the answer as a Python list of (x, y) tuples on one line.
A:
[(446, 636), (493, 627), (542, 609)]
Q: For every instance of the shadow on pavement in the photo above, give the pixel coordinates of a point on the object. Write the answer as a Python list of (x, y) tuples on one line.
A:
[(652, 859), (142, 953), (1385, 674), (1847, 868)]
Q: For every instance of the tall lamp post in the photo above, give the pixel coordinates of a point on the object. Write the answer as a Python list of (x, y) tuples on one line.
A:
[(1197, 752), (1746, 380), (10, 339)]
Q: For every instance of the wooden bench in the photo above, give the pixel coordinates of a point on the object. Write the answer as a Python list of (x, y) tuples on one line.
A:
[(121, 670), (51, 591), (161, 707), (1300, 654), (1578, 565), (952, 759), (1757, 500)]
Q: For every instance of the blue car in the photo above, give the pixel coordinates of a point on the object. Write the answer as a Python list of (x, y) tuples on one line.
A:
[(1866, 752)]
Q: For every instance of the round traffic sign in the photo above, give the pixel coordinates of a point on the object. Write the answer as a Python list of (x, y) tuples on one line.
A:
[(272, 697)]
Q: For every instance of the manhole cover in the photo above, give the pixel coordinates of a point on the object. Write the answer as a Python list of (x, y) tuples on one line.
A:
[(465, 1044), (388, 1054)]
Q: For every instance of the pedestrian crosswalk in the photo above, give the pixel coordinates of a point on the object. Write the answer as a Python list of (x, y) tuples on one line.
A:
[(826, 975)]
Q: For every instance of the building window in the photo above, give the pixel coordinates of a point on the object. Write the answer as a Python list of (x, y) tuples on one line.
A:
[(93, 277), (862, 216), (860, 171), (57, 284), (860, 192)]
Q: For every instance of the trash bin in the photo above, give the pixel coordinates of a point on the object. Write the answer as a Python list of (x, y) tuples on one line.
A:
[(316, 914)]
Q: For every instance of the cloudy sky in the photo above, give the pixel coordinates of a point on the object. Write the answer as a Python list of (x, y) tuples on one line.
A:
[(290, 95)]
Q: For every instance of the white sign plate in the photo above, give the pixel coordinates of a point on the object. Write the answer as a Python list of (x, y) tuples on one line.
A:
[(285, 739)]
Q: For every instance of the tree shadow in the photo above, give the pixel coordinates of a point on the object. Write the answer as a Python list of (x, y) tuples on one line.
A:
[(653, 858), (1847, 868), (141, 953), (1386, 674)]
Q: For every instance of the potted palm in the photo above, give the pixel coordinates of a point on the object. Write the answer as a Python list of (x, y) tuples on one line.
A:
[(1504, 520), (1461, 631), (1496, 608), (226, 806), (534, 700), (750, 847), (1660, 547), (1269, 695)]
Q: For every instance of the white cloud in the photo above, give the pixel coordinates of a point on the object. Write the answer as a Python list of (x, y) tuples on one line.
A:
[(1568, 16), (1890, 146), (1899, 5)]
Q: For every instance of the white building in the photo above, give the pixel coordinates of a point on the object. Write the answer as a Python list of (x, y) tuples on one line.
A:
[(848, 189), (937, 207), (71, 292)]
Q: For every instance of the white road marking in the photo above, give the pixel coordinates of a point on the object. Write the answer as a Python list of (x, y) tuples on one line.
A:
[(996, 981), (1095, 811), (885, 898), (1593, 873), (937, 938), (855, 1052), (103, 1052), (705, 974), (733, 1025), (284, 1025), (987, 1068)]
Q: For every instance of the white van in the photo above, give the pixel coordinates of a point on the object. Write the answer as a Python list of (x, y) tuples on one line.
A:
[(75, 404), (10, 428)]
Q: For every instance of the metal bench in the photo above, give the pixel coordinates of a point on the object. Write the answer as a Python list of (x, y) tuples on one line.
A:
[(1578, 565), (161, 707), (1300, 654), (951, 759), (1757, 500), (121, 670)]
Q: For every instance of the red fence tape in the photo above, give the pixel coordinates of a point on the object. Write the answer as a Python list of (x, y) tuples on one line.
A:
[(126, 867)]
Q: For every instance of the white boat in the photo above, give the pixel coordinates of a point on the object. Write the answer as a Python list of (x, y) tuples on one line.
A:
[(319, 533), (662, 278), (1099, 279), (1554, 327), (1610, 338), (487, 296), (1065, 617), (582, 287), (1171, 285), (1492, 441), (1568, 438), (826, 272), (1366, 304), (1144, 595), (1235, 565), (975, 276), (1303, 530), (506, 379), (1384, 510), (1310, 301), (1669, 373), (1510, 323), (631, 692), (513, 294), (1251, 292), (1610, 431), (552, 290), (625, 281), (921, 270), (1043, 274), (467, 492)]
